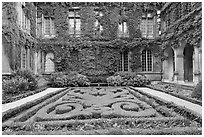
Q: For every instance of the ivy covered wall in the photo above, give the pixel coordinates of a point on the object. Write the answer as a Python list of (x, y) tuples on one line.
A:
[(93, 54), (13, 37)]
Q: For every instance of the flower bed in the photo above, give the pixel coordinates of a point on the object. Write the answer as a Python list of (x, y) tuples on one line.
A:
[(103, 110)]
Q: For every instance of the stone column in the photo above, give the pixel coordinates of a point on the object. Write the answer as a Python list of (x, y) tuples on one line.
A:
[(36, 62), (179, 69), (196, 71), (129, 63)]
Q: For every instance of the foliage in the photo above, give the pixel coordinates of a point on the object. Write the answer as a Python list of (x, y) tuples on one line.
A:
[(98, 79), (13, 36), (15, 85), (187, 27), (11, 29), (21, 81), (90, 54), (115, 80), (197, 93), (128, 79), (66, 79), (28, 75)]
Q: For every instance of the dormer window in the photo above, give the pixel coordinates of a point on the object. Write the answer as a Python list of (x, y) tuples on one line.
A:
[(123, 30)]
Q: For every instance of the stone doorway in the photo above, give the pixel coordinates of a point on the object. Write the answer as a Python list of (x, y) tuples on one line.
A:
[(188, 63)]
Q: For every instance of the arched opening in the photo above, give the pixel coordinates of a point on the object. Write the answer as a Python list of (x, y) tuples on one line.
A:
[(169, 64), (49, 64), (188, 62)]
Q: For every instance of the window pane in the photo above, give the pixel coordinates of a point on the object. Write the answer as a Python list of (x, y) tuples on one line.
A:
[(144, 60), (78, 26), (71, 14), (52, 27), (120, 30), (77, 14), (125, 61), (96, 23), (47, 26), (71, 26), (149, 60)]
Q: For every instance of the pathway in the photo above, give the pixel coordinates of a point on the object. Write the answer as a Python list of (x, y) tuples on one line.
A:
[(194, 107), (17, 103)]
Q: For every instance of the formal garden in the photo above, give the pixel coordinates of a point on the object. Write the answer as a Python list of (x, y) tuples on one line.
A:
[(91, 92), (114, 107)]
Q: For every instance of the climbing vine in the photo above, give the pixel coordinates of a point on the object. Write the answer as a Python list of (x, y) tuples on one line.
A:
[(89, 54), (12, 35), (187, 28)]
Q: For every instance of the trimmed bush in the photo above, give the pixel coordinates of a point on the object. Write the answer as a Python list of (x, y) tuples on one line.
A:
[(67, 79), (115, 80), (15, 85), (128, 79), (197, 93), (28, 75), (21, 80)]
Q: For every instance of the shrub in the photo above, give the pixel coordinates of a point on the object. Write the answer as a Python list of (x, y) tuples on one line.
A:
[(15, 85), (114, 80), (28, 75), (98, 79), (66, 79), (197, 93), (82, 80), (128, 79)]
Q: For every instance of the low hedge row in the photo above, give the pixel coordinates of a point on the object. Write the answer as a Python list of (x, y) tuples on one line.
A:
[(68, 79), (8, 98), (183, 111), (128, 79), (114, 131), (141, 125), (35, 104)]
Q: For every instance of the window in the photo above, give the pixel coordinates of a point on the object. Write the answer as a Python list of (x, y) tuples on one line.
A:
[(146, 60), (124, 62), (25, 22), (49, 26), (97, 25), (23, 58), (74, 22), (147, 27), (123, 30)]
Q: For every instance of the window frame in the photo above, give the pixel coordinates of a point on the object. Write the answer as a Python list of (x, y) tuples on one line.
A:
[(122, 32), (147, 61), (145, 27), (76, 31), (51, 27)]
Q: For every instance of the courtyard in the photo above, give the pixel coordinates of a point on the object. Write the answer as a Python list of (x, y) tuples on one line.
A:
[(101, 68)]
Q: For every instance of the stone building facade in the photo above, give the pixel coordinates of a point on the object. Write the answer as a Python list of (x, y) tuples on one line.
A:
[(183, 48), (19, 38), (56, 25)]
